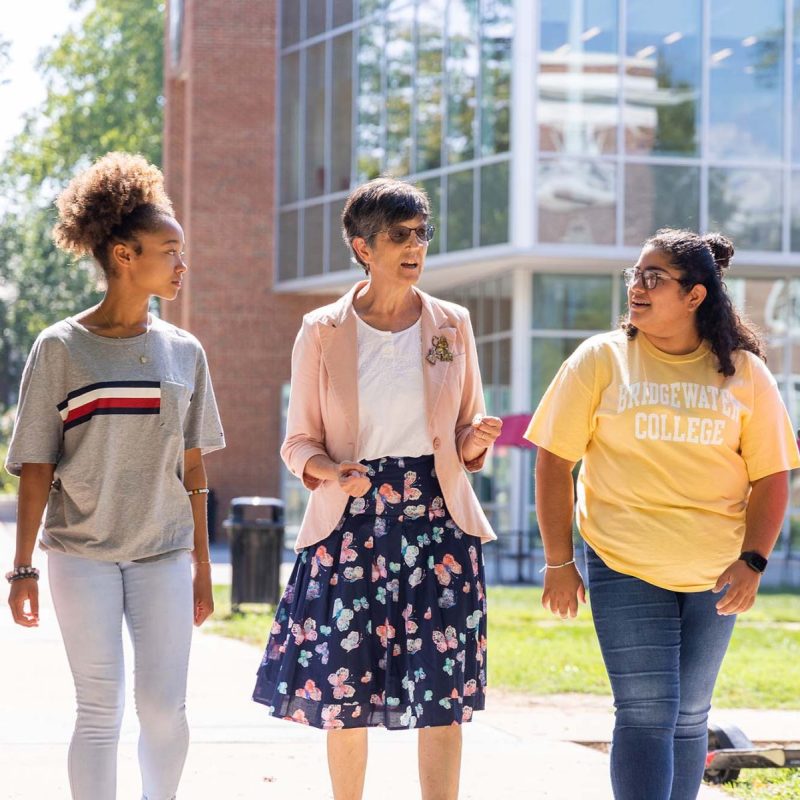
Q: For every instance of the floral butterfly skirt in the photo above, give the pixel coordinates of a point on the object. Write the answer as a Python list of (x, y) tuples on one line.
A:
[(384, 621)]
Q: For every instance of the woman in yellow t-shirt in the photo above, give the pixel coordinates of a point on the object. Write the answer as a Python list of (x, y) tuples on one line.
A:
[(686, 447)]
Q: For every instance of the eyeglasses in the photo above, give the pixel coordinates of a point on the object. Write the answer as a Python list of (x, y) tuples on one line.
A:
[(399, 233), (651, 278)]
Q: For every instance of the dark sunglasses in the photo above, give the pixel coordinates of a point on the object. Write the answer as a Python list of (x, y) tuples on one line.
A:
[(399, 233)]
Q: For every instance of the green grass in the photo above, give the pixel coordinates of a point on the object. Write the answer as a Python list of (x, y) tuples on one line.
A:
[(765, 784), (530, 651)]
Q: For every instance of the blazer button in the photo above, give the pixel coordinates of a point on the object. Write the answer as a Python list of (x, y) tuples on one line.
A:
[(436, 443)]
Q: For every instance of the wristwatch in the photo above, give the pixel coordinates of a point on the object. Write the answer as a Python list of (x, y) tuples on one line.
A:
[(754, 560)]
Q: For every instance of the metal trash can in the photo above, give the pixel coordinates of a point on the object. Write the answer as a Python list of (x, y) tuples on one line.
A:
[(255, 531)]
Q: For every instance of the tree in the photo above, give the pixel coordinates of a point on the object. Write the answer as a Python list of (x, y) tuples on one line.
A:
[(103, 92)]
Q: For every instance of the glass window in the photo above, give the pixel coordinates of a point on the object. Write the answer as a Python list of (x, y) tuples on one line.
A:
[(796, 86), (577, 201), (433, 188), (290, 22), (287, 246), (338, 252), (663, 77), (658, 196), (368, 7), (342, 12), (572, 302), (462, 66), (795, 221), (746, 92), (578, 77), (497, 33), (316, 17), (399, 89), (504, 307), (459, 211), (745, 204), (290, 128), (313, 237), (369, 140), (342, 113), (494, 204), (547, 355), (315, 128), (430, 69)]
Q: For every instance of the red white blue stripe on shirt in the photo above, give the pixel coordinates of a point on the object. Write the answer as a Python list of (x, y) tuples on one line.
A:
[(110, 397)]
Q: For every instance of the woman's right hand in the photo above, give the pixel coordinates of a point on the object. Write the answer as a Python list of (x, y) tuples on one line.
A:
[(25, 591), (563, 588), (352, 477)]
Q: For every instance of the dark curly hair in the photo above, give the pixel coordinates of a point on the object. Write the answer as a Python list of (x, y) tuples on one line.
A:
[(703, 260), (376, 205), (119, 196)]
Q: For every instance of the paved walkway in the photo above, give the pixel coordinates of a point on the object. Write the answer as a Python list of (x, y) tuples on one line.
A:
[(520, 747)]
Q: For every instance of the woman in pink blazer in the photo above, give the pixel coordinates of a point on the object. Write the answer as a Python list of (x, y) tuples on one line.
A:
[(383, 621)]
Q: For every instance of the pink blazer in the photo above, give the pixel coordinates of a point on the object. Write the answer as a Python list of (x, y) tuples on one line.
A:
[(323, 409)]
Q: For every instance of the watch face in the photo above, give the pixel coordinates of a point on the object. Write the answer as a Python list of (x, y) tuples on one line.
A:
[(754, 560), (176, 29)]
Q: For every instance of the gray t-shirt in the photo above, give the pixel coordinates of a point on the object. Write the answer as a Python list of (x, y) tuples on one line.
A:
[(116, 429)]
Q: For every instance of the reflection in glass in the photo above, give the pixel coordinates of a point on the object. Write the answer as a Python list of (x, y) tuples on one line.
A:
[(746, 92), (497, 30), (290, 22), (315, 129), (577, 201), (287, 266), (430, 69), (290, 128), (663, 77), (342, 113), (494, 204), (459, 211), (369, 141), (462, 66), (433, 188), (313, 237), (572, 302), (342, 12), (658, 196), (547, 355), (399, 74), (368, 6), (578, 80), (316, 17), (745, 204), (339, 257)]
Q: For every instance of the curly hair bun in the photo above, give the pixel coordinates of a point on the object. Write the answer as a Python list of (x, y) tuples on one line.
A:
[(97, 203), (721, 247)]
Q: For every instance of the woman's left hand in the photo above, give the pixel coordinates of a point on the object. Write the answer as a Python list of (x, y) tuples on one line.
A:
[(742, 583), (203, 596), (485, 430)]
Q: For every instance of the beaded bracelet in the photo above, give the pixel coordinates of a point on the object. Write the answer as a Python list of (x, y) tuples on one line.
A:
[(197, 491), (22, 573), (557, 566)]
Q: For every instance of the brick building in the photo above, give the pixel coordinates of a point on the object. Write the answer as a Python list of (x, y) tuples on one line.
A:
[(552, 137)]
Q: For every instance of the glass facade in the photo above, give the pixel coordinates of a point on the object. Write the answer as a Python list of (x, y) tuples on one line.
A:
[(631, 116), (412, 88)]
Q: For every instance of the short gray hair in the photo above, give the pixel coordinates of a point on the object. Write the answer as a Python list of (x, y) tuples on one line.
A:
[(377, 204)]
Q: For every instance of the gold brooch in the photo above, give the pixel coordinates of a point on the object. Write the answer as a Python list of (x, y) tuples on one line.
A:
[(440, 350)]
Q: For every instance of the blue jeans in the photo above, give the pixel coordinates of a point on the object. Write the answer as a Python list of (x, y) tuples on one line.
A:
[(662, 651)]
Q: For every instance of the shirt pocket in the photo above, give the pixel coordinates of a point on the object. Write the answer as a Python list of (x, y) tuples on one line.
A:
[(175, 399)]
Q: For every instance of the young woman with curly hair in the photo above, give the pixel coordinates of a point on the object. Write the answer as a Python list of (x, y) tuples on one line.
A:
[(116, 410), (686, 448)]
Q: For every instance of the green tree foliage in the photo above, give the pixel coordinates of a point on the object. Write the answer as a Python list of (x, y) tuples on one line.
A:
[(103, 83)]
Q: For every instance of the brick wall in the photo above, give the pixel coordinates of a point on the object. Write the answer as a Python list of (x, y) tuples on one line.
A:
[(219, 159)]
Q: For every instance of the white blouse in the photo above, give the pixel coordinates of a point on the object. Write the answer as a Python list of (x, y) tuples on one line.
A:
[(391, 399)]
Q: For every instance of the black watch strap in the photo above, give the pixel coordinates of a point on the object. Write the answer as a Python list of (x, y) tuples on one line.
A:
[(754, 560)]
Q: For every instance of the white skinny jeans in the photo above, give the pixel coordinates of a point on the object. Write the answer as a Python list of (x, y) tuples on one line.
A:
[(91, 598)]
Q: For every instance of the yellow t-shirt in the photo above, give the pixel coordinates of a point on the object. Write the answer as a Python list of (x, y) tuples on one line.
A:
[(670, 447)]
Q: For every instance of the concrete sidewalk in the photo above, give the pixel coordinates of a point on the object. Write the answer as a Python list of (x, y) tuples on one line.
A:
[(519, 747)]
